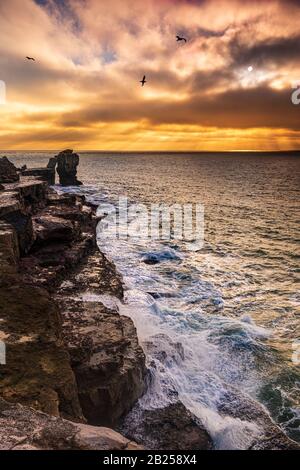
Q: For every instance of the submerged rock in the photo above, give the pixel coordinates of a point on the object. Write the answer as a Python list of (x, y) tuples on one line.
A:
[(8, 171), (158, 257), (170, 428), (67, 163)]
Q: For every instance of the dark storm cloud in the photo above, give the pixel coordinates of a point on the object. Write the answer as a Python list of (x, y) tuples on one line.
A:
[(273, 51), (240, 109)]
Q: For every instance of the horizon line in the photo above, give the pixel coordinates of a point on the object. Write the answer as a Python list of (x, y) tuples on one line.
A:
[(154, 151)]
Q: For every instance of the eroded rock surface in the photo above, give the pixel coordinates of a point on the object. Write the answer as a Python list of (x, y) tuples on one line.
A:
[(8, 171), (170, 428), (63, 354), (52, 163), (23, 428), (107, 359), (17, 204), (45, 174), (67, 163)]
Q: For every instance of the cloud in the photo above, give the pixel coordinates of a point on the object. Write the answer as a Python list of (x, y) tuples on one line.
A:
[(251, 110), (84, 86), (273, 51)]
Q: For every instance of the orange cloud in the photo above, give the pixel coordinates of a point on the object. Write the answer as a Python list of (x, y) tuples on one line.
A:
[(83, 90)]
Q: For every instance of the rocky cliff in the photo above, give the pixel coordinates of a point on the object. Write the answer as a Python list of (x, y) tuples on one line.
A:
[(64, 357)]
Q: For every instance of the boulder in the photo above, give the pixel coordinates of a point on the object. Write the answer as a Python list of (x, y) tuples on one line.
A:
[(67, 163), (170, 428), (8, 171), (23, 428)]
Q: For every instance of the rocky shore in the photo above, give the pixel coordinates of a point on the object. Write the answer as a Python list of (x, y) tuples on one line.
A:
[(72, 366), (64, 358), (74, 370)]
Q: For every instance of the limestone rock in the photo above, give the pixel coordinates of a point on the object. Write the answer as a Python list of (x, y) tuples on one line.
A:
[(22, 223), (8, 171), (23, 428), (45, 174), (17, 203), (67, 163), (52, 162), (170, 428), (49, 228), (54, 339), (9, 254), (107, 359), (37, 371), (96, 438)]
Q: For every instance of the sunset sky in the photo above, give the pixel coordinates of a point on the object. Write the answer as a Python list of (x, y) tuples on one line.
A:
[(83, 91)]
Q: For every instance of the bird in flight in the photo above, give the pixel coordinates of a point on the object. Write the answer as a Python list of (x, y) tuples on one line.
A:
[(178, 38), (30, 58), (143, 81)]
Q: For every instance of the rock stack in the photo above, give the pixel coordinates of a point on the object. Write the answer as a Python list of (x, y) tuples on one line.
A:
[(67, 163)]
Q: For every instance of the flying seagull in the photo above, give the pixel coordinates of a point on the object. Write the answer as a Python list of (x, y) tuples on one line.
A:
[(30, 58), (143, 81), (178, 38)]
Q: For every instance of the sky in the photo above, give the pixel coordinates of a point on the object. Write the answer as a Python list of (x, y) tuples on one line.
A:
[(228, 88)]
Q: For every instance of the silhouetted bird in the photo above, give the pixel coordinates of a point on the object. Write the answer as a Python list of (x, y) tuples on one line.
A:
[(143, 81), (178, 38), (30, 58)]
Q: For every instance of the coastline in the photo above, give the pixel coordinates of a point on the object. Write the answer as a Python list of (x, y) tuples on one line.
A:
[(43, 239), (69, 358), (73, 367)]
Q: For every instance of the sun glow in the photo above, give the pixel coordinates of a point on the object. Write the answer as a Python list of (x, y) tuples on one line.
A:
[(228, 87)]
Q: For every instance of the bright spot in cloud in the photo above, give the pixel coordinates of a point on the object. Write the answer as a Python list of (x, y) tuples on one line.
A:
[(250, 68)]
